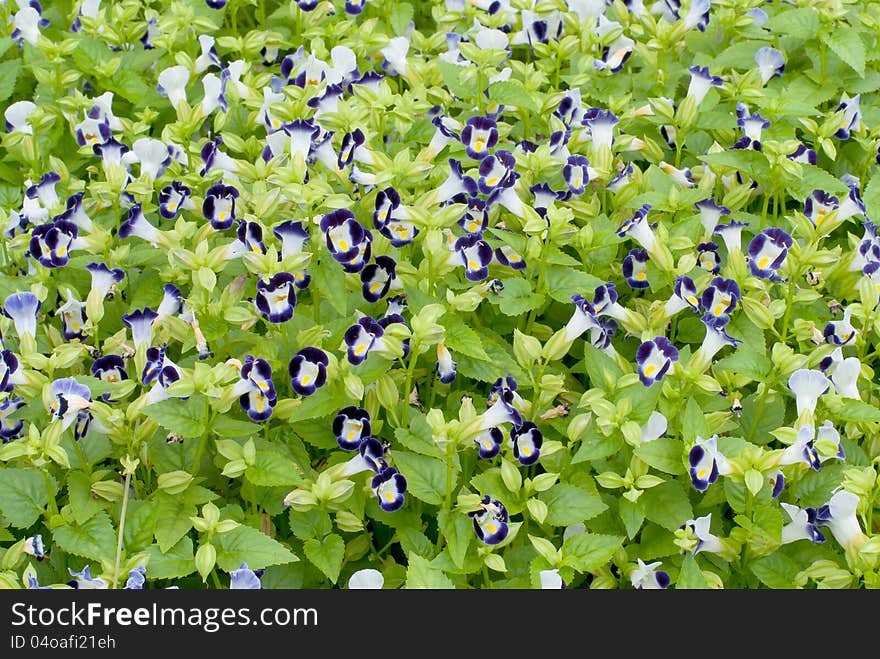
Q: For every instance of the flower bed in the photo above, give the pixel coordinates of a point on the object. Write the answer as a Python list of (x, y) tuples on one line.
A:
[(439, 294)]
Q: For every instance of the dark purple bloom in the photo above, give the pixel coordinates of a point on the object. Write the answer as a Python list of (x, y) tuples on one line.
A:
[(308, 370)]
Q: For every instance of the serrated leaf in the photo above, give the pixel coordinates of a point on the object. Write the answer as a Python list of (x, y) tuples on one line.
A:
[(272, 470), (9, 71), (457, 530), (453, 77), (691, 577), (848, 46), (567, 504), (563, 282), (632, 515), (801, 23), (23, 496), (425, 476), (401, 15), (172, 519), (326, 555), (693, 423), (329, 278), (667, 505), (461, 339), (227, 427), (517, 297), (96, 539), (775, 570), (595, 445), (664, 454), (177, 562), (246, 544), (419, 437), (857, 411), (79, 492), (586, 552), (421, 575), (188, 418), (512, 92), (746, 362)]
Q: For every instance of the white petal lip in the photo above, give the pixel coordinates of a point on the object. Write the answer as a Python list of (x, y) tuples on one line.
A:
[(366, 579)]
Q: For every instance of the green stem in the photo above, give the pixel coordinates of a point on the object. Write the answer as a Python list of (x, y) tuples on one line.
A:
[(216, 580), (764, 208), (789, 291), (200, 449), (119, 535), (53, 507), (410, 369)]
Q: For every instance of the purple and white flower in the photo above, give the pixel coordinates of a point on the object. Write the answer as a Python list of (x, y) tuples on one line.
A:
[(255, 390), (767, 252), (362, 337), (276, 298), (308, 370), (350, 426), (527, 441), (491, 522), (655, 358), (389, 486)]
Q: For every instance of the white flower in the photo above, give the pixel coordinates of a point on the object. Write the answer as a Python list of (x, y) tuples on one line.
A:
[(172, 83), (366, 579), (807, 385), (17, 116)]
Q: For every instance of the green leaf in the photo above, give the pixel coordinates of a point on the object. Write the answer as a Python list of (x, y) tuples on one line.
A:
[(563, 282), (871, 196), (775, 570), (848, 46), (632, 515), (326, 555), (271, 469), (693, 424), (172, 519), (517, 297), (512, 92), (421, 575), (418, 437), (79, 491), (586, 552), (667, 505), (801, 23), (89, 54), (858, 411), (753, 163), (458, 531), (664, 454), (227, 427), (691, 577), (567, 504), (246, 544), (461, 339), (401, 15), (310, 524), (425, 476), (23, 496), (599, 366), (329, 278), (453, 77), (327, 400), (758, 419), (175, 563), (188, 418), (95, 539), (595, 445), (746, 362), (9, 71)]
